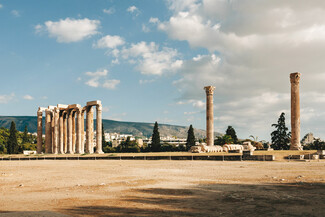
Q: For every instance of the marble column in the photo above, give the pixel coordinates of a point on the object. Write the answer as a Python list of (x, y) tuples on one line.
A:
[(82, 131), (39, 131), (78, 129), (55, 142), (99, 129), (69, 147), (295, 112), (73, 131), (61, 133), (48, 131), (65, 132), (89, 130), (209, 115)]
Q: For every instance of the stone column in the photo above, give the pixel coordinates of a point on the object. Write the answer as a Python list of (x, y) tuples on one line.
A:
[(78, 129), (65, 132), (209, 115), (39, 131), (61, 133), (99, 129), (73, 131), (89, 129), (82, 131), (295, 112), (69, 147), (55, 130), (48, 131)]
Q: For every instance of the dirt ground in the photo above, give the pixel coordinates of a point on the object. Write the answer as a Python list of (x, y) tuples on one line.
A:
[(161, 188)]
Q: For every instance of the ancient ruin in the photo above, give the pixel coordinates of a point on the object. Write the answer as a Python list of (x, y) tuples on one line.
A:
[(295, 112), (209, 115), (64, 129)]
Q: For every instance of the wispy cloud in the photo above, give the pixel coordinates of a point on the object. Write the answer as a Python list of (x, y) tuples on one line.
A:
[(99, 79), (4, 99), (109, 11), (28, 97), (15, 13), (133, 10)]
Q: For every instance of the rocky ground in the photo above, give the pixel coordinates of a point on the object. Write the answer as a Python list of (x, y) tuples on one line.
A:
[(162, 188)]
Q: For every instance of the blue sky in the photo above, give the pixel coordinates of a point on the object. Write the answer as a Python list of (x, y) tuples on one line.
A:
[(149, 60)]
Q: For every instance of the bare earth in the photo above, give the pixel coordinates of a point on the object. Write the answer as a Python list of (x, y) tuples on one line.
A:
[(161, 188)]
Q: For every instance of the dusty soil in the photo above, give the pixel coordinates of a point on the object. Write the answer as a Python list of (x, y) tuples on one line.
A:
[(161, 188)]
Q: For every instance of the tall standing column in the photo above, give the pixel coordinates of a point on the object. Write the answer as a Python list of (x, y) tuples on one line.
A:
[(61, 134), (69, 147), (295, 112), (55, 130), (39, 131), (89, 129), (48, 131), (82, 131), (209, 115), (65, 132), (78, 129), (99, 129), (73, 131)]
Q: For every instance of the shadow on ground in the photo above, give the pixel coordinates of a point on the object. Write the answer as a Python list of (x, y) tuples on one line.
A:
[(290, 199)]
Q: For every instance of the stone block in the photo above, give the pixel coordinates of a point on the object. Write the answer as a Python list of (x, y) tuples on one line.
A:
[(315, 157), (93, 103)]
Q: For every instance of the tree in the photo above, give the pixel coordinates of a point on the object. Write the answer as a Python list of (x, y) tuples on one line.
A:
[(12, 144), (190, 138), (155, 141), (221, 140), (280, 137), (25, 136), (103, 136), (231, 132)]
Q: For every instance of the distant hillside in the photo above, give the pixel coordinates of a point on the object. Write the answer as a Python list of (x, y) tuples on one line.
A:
[(110, 126)]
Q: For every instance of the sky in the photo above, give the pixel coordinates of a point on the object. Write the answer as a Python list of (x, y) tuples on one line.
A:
[(149, 60)]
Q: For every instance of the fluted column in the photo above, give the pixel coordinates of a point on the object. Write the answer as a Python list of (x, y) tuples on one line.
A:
[(78, 129), (99, 129), (74, 131), (65, 132), (82, 122), (295, 112), (55, 120), (39, 131), (89, 129), (61, 134), (48, 131), (209, 115), (69, 147)]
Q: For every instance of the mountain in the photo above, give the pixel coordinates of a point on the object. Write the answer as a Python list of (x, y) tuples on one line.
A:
[(110, 126)]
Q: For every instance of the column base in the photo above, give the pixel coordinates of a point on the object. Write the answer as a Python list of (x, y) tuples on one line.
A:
[(99, 152), (70, 152), (296, 147)]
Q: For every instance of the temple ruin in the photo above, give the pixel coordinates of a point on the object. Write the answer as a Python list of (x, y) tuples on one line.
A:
[(64, 129)]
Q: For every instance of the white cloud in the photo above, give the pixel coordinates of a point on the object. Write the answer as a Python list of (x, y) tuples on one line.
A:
[(253, 47), (109, 41), (109, 11), (153, 20), (152, 60), (99, 79), (70, 30), (145, 28), (1, 6), (111, 84), (132, 9), (146, 81), (28, 97), (44, 97), (15, 13), (4, 99)]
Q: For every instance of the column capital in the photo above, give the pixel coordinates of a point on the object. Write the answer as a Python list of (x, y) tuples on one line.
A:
[(209, 89), (295, 77), (99, 107)]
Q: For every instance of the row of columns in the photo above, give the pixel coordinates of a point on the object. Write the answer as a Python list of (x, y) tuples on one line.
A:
[(295, 113), (64, 129)]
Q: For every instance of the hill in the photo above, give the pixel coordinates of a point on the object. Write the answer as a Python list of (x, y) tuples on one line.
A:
[(110, 126)]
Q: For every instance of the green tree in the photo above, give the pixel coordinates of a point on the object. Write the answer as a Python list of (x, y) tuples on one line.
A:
[(128, 146), (280, 137), (25, 136), (190, 138), (103, 136), (155, 141), (12, 144), (221, 140), (231, 132)]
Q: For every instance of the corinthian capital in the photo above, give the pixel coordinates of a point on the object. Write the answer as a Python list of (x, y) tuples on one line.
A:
[(209, 89), (295, 77)]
